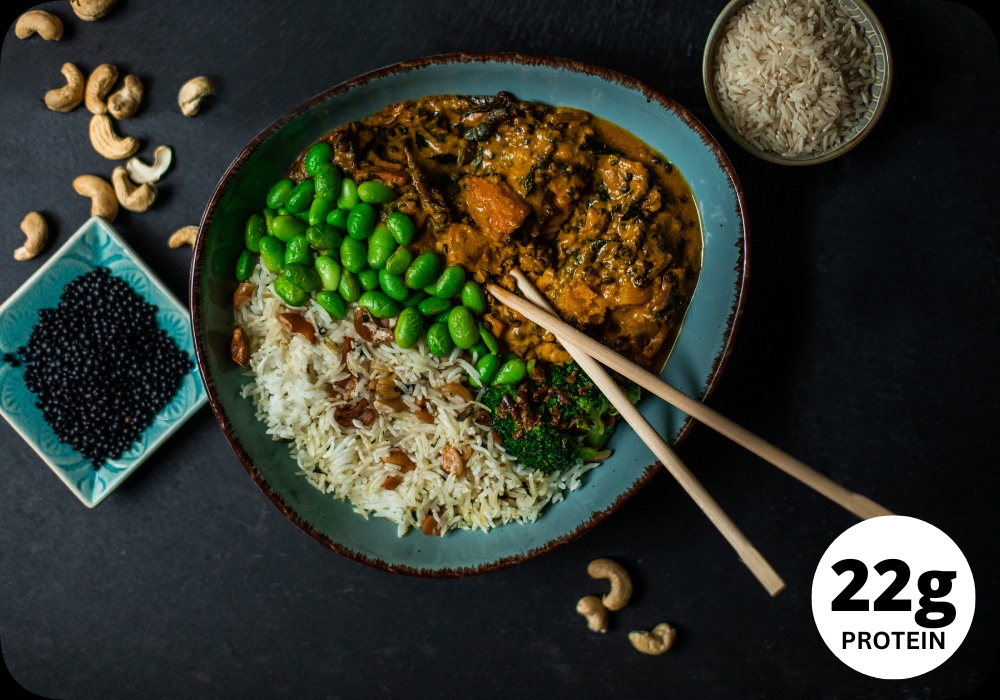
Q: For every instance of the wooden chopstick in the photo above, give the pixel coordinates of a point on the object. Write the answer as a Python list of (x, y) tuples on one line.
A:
[(767, 576), (861, 506)]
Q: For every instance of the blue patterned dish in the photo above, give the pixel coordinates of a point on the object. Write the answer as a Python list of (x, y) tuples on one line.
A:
[(95, 244)]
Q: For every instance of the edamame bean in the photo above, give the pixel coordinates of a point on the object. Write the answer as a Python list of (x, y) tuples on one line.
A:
[(379, 304), (478, 350), (282, 211), (368, 279), (323, 236), (289, 293), (399, 261), (450, 282), (349, 287), (332, 302), (255, 230), (409, 327), (272, 252), (285, 228), (303, 216), (474, 298), (327, 179), (353, 255), (297, 251), (488, 338), (269, 215), (422, 271), (316, 156), (245, 266), (279, 192), (381, 245), (512, 371), (301, 197), (432, 306), (361, 221), (328, 270), (318, 211), (439, 340), (487, 367), (338, 218), (415, 297), (442, 317), (348, 197), (393, 286), (462, 327), (401, 227), (375, 192), (301, 276)]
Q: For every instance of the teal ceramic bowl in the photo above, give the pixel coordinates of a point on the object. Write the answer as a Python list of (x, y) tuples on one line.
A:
[(694, 365), (95, 244)]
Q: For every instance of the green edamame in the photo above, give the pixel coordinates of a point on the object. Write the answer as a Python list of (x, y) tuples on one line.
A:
[(401, 227), (338, 218), (379, 304), (269, 215), (439, 340), (289, 293), (279, 192), (381, 245), (316, 156), (323, 236), (361, 221), (513, 371), (285, 228), (462, 327), (399, 261), (368, 279), (432, 306), (349, 287), (272, 252), (393, 286), (353, 255), (302, 216), (490, 340), (282, 211), (297, 251), (375, 192), (409, 327), (318, 211), (301, 197), (423, 270), (327, 179), (255, 230), (442, 317), (348, 198), (301, 276), (328, 270), (450, 282), (478, 350), (245, 266), (474, 298), (487, 367), (332, 302), (414, 298)]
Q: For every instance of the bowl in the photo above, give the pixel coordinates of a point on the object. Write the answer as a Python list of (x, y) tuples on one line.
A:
[(95, 244), (694, 366), (858, 11)]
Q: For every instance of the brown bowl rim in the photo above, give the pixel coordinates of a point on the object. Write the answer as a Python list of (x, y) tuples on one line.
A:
[(732, 323)]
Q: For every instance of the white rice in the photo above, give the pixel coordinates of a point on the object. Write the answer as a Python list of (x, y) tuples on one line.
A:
[(293, 397), (793, 77)]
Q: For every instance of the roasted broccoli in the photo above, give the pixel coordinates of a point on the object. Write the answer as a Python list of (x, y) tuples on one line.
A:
[(525, 433)]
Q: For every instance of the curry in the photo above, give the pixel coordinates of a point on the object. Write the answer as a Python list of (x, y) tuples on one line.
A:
[(605, 227)]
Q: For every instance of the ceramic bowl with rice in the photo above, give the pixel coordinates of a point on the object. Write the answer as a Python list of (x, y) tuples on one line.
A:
[(797, 82)]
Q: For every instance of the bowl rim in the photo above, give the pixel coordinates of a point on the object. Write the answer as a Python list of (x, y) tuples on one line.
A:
[(707, 78), (718, 364)]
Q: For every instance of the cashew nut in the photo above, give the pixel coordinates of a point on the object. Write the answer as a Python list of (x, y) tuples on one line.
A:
[(100, 82), (125, 102), (192, 92), (36, 232), (134, 198), (106, 142), (183, 236), (655, 642), (91, 10), (139, 172), (103, 202), (66, 98), (45, 24), (621, 584), (593, 610)]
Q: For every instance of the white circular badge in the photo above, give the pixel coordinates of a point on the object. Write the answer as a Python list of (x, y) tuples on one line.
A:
[(893, 597)]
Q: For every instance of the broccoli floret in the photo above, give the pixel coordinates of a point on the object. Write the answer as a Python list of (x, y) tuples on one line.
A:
[(539, 447)]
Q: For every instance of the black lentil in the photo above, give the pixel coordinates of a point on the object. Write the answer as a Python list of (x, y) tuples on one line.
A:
[(100, 365)]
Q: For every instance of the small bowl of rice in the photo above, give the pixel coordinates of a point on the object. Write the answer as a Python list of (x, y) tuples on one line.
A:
[(797, 82)]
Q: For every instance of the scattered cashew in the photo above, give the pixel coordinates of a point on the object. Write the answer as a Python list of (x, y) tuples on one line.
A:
[(655, 642), (132, 197), (109, 144), (192, 92), (125, 102), (36, 232), (621, 584), (183, 236), (45, 24), (100, 82), (140, 172), (451, 461), (239, 347), (103, 202), (593, 610), (91, 10), (66, 98)]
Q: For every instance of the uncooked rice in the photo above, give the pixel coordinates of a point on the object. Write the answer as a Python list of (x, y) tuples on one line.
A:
[(292, 394), (794, 76)]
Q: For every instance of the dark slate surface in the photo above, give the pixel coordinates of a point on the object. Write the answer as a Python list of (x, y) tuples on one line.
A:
[(867, 348)]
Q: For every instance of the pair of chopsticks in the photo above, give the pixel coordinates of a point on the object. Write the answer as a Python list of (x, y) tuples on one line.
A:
[(590, 354)]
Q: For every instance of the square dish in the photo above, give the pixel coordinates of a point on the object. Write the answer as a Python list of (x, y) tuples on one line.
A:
[(95, 244)]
